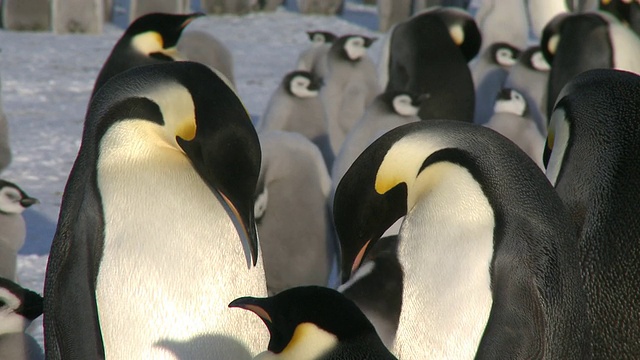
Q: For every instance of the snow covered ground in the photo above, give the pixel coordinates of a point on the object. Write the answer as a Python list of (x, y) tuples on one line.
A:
[(47, 80)]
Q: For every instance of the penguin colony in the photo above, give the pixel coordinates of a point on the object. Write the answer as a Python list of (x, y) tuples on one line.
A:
[(474, 196)]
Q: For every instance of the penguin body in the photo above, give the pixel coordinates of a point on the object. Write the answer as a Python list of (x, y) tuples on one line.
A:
[(391, 12), (494, 16), (512, 118), (542, 11), (350, 85), (314, 58), (419, 5), (175, 129), (476, 210), (428, 54), (315, 323), (150, 39), (489, 73), (578, 42), (627, 11), (292, 189), (595, 144), (26, 15), (529, 76), (13, 201), (77, 16), (376, 288), (295, 106), (202, 47), (18, 308), (322, 7)]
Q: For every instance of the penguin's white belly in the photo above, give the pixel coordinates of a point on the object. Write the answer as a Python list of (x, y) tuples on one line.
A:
[(172, 262)]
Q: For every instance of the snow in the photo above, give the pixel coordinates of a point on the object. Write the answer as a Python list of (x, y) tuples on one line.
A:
[(47, 80)]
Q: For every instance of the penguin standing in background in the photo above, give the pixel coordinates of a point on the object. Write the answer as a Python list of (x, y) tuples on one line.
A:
[(292, 189), (18, 308), (529, 76), (391, 12), (5, 148), (202, 47), (376, 287), (324, 7), (512, 118), (311, 323), (627, 11), (295, 106), (350, 85), (428, 55), (150, 39), (591, 159), (179, 130), (13, 231), (495, 16), (542, 11), (486, 246), (419, 5), (574, 43), (489, 72), (314, 59)]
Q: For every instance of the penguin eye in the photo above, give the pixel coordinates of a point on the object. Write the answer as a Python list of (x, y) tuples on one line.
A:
[(12, 195)]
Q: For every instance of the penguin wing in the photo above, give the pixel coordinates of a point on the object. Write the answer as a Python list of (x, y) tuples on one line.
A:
[(71, 326)]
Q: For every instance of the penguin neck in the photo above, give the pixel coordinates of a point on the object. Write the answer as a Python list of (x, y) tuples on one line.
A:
[(446, 248)]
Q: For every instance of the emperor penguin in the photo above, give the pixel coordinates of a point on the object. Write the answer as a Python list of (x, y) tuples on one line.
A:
[(486, 245), (293, 188), (203, 47), (376, 287), (350, 86), (295, 106), (512, 118), (13, 231), (542, 11), (18, 308), (314, 58), (159, 203), (388, 110), (420, 5), (315, 323), (489, 72), (150, 39), (503, 21), (574, 43), (322, 7), (593, 147), (428, 55), (627, 11), (529, 76)]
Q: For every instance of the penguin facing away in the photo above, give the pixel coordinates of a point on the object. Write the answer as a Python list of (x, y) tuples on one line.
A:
[(593, 147), (314, 58), (175, 129), (486, 246), (18, 308), (428, 54), (13, 201), (315, 323), (150, 39)]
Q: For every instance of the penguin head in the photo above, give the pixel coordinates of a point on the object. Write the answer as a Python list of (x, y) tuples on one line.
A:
[(511, 101), (184, 109), (302, 84), (352, 47), (12, 199), (504, 54), (18, 307), (308, 320), (402, 103), (533, 58), (157, 34), (319, 37), (462, 28)]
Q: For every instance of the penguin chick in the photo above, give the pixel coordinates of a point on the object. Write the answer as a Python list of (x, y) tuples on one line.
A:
[(512, 119), (315, 323), (18, 308), (314, 59), (150, 39), (13, 201), (202, 47)]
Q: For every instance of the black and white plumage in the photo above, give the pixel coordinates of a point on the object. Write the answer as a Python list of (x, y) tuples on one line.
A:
[(314, 58)]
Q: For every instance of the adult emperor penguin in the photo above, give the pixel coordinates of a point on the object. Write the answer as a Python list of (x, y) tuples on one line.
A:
[(495, 16), (159, 203), (13, 201), (529, 76), (594, 135), (18, 308), (350, 85), (203, 47), (293, 188), (512, 118), (489, 72), (315, 323), (486, 246), (314, 58), (578, 42), (428, 54), (150, 39), (376, 287), (295, 106), (628, 11)]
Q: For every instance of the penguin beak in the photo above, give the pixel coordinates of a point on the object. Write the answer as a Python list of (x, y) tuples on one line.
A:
[(28, 201), (255, 305), (190, 18)]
